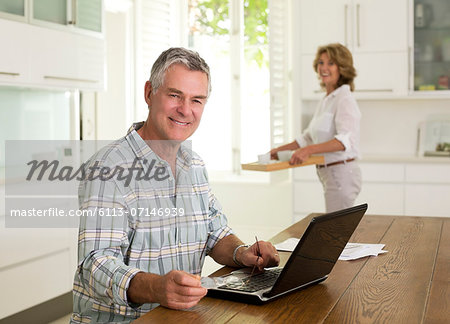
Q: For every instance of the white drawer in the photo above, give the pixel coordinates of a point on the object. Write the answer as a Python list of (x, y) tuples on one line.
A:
[(383, 172), (382, 198), (36, 281), (427, 200), (428, 173)]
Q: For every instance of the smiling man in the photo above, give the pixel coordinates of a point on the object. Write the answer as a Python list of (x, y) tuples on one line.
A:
[(143, 243)]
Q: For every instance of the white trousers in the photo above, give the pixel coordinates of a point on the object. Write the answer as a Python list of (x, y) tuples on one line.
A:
[(341, 185)]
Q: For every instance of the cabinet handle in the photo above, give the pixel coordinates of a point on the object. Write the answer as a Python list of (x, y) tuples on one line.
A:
[(73, 13), (345, 24), (9, 73), (358, 8), (69, 79), (374, 90), (410, 53)]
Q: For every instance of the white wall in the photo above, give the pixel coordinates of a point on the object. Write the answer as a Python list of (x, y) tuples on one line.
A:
[(261, 209), (389, 127)]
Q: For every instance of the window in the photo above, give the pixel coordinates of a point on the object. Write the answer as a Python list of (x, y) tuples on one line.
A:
[(245, 44), (233, 36)]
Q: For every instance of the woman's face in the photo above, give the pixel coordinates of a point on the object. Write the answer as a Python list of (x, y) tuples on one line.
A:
[(328, 72)]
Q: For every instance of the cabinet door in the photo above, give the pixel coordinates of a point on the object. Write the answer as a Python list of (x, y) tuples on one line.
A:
[(323, 22), (380, 26), (382, 198), (427, 200), (15, 54), (381, 73), (13, 9), (67, 60), (53, 11), (89, 15)]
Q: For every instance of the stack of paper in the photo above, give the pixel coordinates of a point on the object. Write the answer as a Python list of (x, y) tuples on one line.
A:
[(351, 251)]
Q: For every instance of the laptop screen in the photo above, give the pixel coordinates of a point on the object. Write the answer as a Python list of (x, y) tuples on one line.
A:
[(319, 248)]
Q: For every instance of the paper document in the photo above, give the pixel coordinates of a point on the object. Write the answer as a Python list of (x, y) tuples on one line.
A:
[(352, 251)]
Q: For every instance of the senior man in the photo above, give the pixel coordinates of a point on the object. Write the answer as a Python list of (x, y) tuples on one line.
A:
[(145, 241)]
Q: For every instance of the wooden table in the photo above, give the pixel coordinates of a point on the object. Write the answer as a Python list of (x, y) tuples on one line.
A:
[(409, 284)]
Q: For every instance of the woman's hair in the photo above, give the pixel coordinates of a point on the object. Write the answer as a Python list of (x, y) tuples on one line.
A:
[(341, 56), (177, 55)]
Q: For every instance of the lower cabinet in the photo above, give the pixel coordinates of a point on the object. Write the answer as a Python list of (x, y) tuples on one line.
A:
[(389, 188), (36, 265)]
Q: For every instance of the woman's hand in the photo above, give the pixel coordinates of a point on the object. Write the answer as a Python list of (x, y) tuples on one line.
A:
[(273, 153), (300, 155), (286, 147)]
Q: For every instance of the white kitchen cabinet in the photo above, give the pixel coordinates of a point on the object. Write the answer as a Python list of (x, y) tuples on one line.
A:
[(431, 41), (37, 265), (15, 53), (77, 62), (323, 22), (43, 57), (361, 25), (389, 188), (373, 70), (427, 199), (384, 73), (427, 189), (375, 31), (382, 198)]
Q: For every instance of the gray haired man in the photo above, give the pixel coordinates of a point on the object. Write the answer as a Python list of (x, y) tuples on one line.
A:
[(152, 251)]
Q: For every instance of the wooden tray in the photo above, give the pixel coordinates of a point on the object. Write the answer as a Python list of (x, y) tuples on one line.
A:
[(255, 166)]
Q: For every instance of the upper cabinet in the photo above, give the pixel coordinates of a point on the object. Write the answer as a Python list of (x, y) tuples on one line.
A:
[(362, 26), (53, 11), (78, 15), (375, 31), (431, 30), (13, 9), (52, 43)]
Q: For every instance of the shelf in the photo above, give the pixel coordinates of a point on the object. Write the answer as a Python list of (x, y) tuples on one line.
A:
[(255, 166), (431, 62), (431, 29)]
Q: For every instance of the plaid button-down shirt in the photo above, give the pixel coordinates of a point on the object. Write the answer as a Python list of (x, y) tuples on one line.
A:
[(156, 224)]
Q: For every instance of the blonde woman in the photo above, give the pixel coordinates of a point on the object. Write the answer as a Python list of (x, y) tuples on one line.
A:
[(334, 129)]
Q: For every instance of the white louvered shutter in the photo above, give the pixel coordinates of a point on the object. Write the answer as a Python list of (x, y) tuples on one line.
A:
[(279, 81), (158, 26)]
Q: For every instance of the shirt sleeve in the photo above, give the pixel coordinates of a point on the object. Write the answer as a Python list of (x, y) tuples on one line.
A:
[(305, 138), (218, 223), (347, 121), (102, 244)]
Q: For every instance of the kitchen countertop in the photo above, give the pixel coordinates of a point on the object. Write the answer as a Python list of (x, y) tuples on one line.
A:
[(379, 158)]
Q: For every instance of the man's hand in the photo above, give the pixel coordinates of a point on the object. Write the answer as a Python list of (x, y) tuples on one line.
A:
[(268, 255), (176, 289)]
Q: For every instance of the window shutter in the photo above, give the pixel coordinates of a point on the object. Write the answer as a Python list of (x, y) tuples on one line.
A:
[(157, 27), (279, 81)]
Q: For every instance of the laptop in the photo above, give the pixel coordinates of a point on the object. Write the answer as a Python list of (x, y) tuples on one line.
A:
[(310, 263)]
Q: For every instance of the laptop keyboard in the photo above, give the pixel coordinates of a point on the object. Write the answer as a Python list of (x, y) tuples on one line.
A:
[(256, 282)]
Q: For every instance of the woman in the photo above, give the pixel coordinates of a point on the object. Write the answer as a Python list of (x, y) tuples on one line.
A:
[(334, 129)]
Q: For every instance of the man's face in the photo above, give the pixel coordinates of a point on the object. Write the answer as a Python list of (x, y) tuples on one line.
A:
[(177, 106)]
